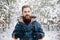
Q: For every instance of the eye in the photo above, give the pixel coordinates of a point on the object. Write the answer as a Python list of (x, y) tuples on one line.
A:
[(25, 11), (28, 11)]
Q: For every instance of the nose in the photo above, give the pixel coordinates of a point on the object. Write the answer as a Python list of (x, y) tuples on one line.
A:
[(27, 14)]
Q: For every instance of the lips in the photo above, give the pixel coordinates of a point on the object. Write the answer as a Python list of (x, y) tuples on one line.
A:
[(27, 16)]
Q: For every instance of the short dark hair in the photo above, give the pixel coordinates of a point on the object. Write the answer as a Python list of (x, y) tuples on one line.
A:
[(25, 6)]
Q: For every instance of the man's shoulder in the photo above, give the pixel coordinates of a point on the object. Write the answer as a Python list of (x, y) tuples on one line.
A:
[(18, 23), (36, 22)]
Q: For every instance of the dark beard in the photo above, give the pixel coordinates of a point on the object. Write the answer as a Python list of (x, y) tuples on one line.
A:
[(26, 21)]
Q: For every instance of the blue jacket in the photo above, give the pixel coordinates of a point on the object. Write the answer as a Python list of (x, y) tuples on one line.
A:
[(32, 31)]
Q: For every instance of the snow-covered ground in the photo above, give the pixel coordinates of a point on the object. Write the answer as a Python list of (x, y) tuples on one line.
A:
[(52, 35)]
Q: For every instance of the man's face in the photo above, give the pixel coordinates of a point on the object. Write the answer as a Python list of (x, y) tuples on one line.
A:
[(27, 12)]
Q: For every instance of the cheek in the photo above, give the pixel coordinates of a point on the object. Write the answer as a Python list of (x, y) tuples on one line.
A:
[(30, 14), (23, 14)]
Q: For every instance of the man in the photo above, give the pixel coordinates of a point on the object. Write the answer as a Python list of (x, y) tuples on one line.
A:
[(27, 29)]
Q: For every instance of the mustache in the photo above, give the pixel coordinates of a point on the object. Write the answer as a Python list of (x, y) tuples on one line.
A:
[(29, 16)]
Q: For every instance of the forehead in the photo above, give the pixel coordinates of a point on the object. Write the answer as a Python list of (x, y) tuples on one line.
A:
[(27, 9)]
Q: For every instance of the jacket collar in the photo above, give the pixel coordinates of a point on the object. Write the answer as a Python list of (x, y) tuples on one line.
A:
[(21, 20)]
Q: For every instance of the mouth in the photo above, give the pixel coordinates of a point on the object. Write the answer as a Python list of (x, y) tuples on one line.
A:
[(27, 16)]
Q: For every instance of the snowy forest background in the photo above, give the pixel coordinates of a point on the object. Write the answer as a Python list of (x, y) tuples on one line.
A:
[(47, 12)]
